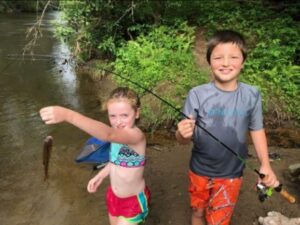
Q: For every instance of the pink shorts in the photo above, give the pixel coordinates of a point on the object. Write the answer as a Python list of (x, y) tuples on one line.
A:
[(216, 196), (133, 209)]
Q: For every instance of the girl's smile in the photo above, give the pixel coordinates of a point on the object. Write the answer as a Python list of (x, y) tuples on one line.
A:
[(121, 114)]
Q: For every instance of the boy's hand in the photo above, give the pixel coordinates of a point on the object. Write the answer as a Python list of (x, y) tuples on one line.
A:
[(53, 114), (270, 179), (186, 127)]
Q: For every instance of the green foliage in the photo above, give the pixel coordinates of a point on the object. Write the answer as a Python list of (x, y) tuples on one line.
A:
[(152, 43), (160, 61), (273, 40), (99, 27)]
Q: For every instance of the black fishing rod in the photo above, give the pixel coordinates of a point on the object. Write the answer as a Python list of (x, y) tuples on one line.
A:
[(264, 192), (184, 115)]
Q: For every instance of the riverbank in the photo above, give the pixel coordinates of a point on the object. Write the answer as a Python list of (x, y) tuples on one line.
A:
[(63, 198), (167, 167)]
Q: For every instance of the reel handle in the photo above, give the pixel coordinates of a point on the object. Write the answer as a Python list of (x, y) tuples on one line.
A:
[(290, 198)]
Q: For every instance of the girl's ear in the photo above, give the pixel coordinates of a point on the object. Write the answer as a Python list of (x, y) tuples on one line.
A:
[(137, 113)]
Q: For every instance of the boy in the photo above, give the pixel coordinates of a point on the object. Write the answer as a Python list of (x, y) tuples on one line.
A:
[(227, 108)]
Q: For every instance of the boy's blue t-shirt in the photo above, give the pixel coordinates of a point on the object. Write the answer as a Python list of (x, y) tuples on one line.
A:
[(228, 116)]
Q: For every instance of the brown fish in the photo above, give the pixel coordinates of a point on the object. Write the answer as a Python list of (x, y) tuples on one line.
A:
[(48, 142)]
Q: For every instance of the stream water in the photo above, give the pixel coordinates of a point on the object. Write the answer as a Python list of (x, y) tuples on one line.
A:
[(28, 83)]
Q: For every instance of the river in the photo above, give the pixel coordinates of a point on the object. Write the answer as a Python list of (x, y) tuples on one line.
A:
[(27, 84)]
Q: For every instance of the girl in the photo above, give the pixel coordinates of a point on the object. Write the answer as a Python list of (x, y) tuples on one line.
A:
[(127, 197)]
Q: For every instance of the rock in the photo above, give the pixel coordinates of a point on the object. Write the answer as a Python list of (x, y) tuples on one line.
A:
[(276, 218), (294, 169)]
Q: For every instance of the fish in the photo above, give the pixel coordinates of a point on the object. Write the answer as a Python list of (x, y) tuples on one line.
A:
[(48, 143)]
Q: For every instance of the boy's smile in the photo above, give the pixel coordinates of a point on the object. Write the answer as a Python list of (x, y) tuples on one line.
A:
[(226, 63)]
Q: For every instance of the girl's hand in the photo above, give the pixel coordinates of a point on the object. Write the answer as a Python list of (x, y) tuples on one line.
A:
[(93, 184), (270, 179), (186, 127), (54, 114)]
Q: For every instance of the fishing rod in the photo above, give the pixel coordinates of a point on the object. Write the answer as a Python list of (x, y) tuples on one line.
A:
[(264, 192), (184, 115)]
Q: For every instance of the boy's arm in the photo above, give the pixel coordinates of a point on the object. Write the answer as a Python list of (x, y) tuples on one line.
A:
[(185, 130), (260, 144)]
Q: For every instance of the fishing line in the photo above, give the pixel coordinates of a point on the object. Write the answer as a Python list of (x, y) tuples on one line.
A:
[(265, 192), (6, 67), (184, 115)]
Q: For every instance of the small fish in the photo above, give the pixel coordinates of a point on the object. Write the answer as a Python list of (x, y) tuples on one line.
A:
[(48, 142)]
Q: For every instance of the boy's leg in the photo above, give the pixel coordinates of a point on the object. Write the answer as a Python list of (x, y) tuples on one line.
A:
[(224, 195), (199, 196), (198, 217)]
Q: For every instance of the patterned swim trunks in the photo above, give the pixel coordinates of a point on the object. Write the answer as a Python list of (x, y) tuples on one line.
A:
[(217, 196)]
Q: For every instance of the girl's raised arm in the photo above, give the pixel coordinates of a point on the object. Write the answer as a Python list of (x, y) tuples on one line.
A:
[(58, 114)]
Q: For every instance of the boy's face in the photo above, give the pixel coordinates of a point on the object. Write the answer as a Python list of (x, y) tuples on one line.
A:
[(226, 62)]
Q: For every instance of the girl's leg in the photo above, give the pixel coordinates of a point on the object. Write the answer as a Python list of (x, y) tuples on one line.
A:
[(198, 217), (112, 219), (122, 221)]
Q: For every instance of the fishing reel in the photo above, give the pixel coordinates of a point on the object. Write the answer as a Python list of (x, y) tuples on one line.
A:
[(265, 192)]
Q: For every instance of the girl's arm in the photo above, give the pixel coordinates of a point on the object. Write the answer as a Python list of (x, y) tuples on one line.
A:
[(95, 182), (57, 114), (260, 144)]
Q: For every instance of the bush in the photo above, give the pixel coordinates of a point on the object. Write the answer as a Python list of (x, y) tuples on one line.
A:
[(161, 61)]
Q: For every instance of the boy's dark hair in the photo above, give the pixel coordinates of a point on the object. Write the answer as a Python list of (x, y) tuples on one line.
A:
[(226, 36)]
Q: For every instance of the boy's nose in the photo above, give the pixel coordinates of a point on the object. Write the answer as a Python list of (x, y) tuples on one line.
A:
[(225, 61)]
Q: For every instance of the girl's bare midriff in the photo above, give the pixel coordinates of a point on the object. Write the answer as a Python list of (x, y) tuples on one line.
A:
[(126, 182)]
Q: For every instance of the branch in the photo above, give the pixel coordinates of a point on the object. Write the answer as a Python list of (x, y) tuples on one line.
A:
[(35, 32)]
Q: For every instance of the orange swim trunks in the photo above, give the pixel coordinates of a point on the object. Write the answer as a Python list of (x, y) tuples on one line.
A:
[(216, 196)]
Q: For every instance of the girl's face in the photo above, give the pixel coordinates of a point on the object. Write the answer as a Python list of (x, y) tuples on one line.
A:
[(226, 63), (121, 114)]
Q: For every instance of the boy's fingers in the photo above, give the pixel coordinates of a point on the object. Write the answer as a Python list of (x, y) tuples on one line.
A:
[(190, 117)]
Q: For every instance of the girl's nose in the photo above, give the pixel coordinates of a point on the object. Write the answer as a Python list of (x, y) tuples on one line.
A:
[(118, 121)]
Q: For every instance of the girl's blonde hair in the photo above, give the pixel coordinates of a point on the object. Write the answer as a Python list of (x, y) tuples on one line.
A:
[(125, 92)]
